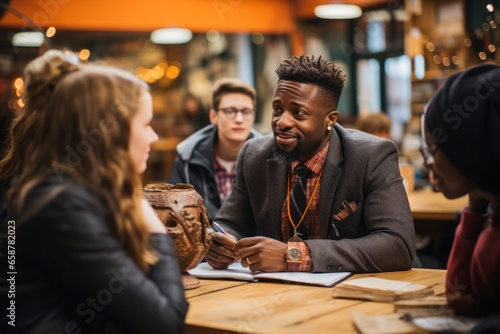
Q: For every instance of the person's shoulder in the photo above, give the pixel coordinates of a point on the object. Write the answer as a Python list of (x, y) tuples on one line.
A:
[(254, 134), (261, 143), (56, 206), (359, 140), (186, 147), (62, 193), (258, 148)]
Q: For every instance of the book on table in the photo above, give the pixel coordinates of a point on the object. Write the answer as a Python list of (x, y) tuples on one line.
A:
[(238, 272), (430, 304), (380, 289)]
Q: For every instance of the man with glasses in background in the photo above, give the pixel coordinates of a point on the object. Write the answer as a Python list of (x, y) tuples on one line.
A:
[(207, 158)]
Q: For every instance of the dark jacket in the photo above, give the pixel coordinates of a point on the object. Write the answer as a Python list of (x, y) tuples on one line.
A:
[(71, 274), (195, 165), (4, 188), (377, 236)]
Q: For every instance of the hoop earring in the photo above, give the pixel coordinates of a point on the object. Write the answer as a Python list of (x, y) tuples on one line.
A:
[(329, 128)]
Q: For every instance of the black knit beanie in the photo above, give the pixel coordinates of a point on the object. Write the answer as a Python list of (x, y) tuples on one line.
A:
[(463, 118)]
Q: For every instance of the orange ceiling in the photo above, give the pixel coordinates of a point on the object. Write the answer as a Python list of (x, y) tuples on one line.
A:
[(266, 16)]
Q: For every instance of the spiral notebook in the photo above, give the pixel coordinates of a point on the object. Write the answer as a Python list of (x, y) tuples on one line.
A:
[(238, 272)]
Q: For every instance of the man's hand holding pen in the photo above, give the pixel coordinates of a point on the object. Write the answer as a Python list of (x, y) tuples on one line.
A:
[(222, 251)]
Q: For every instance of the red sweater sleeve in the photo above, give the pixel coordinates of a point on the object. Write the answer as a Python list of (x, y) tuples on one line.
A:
[(473, 269)]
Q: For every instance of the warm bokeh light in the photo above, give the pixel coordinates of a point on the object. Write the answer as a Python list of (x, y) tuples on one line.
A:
[(482, 55), (455, 60), (20, 103), (173, 72), (18, 83), (492, 48), (257, 38), (157, 72), (84, 54), (213, 36), (163, 64), (437, 59), (143, 74), (51, 31), (467, 42), (429, 46), (490, 8), (446, 61)]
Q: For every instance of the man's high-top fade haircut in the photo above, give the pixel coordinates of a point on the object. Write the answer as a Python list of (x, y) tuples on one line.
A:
[(321, 72)]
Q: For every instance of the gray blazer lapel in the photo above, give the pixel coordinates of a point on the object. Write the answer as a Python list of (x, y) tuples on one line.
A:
[(329, 181), (276, 193)]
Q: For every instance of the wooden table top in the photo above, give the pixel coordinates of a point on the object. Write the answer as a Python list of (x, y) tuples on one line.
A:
[(427, 204), (268, 307)]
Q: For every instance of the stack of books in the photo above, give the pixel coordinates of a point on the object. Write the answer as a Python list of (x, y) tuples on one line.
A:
[(434, 305), (381, 290)]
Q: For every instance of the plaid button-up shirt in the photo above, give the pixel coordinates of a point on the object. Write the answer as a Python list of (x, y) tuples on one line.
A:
[(315, 164), (224, 178)]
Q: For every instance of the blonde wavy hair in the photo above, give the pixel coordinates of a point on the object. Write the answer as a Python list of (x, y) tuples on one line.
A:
[(82, 135)]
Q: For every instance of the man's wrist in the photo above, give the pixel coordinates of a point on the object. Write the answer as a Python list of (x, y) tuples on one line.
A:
[(298, 257)]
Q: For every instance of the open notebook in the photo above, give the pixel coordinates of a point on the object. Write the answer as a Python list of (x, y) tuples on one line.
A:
[(238, 272)]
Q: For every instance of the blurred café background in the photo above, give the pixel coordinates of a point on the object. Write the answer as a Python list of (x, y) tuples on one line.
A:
[(397, 53)]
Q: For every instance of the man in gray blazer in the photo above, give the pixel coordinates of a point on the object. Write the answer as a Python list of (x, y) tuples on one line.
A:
[(357, 216)]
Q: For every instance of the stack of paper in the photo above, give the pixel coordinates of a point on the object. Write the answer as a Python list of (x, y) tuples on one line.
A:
[(379, 289)]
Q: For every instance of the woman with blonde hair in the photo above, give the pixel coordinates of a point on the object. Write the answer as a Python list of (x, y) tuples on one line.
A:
[(91, 256)]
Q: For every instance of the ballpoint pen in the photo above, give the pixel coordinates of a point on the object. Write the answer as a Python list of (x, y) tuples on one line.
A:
[(218, 228)]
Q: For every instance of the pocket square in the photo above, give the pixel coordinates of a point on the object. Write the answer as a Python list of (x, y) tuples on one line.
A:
[(346, 210)]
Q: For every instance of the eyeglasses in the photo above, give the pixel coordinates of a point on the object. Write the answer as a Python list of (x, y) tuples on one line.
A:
[(428, 153), (230, 113)]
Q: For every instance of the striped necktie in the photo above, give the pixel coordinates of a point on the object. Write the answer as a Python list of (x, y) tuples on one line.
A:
[(298, 197)]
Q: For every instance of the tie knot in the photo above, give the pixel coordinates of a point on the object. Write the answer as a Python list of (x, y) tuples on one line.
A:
[(302, 171)]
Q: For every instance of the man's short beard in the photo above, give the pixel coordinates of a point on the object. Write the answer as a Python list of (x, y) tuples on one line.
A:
[(288, 156)]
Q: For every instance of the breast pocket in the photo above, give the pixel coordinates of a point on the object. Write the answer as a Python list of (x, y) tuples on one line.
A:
[(348, 223)]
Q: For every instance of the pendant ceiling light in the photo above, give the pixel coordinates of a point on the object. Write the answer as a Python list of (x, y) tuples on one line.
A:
[(28, 39), (338, 11), (32, 37), (171, 36)]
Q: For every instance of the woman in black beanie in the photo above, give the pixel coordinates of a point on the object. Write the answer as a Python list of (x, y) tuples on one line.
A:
[(461, 147)]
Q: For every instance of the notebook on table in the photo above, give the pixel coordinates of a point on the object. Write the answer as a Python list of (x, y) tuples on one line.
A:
[(238, 272)]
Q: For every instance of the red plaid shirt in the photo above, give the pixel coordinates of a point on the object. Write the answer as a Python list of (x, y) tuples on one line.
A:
[(312, 216), (224, 179)]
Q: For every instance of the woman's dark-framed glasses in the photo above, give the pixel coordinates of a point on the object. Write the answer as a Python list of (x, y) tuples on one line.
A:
[(428, 153)]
